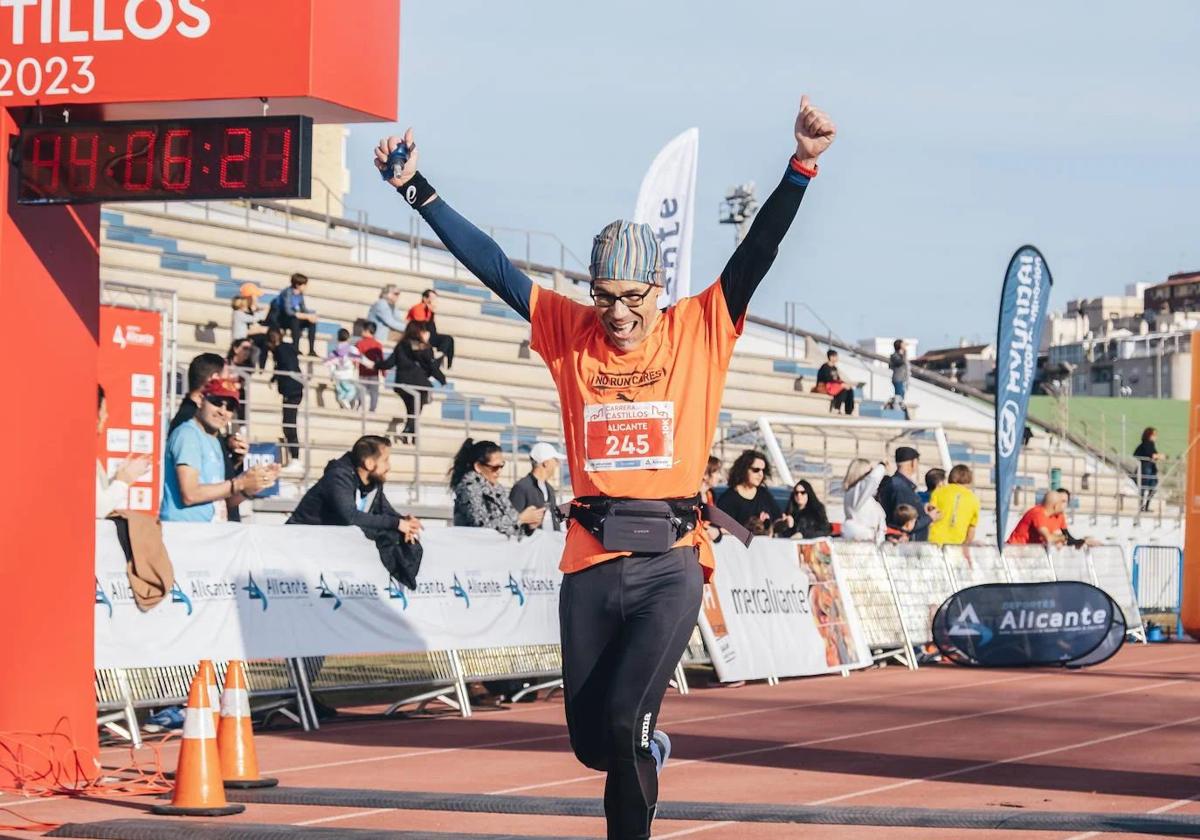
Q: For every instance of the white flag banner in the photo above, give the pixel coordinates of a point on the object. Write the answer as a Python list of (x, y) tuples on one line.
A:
[(667, 202)]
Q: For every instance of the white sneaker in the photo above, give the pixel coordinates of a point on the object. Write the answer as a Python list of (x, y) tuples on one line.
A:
[(660, 748)]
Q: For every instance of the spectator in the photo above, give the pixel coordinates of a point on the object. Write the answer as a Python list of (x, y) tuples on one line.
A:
[(898, 362), (901, 489), (804, 516), (829, 381), (535, 489), (712, 477), (480, 500), (240, 358), (200, 369), (958, 509), (415, 366), (747, 496), (864, 516), (383, 312), (290, 312), (426, 311), (906, 521), (290, 384), (112, 491), (1042, 524), (934, 479), (343, 361), (372, 352), (194, 472), (1060, 520), (351, 492), (246, 322), (1148, 456)]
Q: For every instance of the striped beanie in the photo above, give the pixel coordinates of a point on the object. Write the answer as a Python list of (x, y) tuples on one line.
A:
[(626, 251)]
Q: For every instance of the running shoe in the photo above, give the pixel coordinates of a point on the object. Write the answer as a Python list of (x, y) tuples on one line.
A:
[(660, 748)]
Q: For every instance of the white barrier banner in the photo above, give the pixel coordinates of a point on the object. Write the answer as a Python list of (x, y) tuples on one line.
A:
[(274, 591), (779, 609)]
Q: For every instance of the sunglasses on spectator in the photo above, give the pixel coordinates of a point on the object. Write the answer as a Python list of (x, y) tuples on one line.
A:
[(493, 467), (801, 492), (605, 300), (227, 403), (757, 469)]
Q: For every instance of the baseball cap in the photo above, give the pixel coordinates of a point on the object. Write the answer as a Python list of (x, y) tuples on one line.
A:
[(218, 387), (626, 251), (541, 452), (906, 453), (250, 290)]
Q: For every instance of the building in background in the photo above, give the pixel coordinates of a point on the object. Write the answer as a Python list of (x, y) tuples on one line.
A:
[(882, 345), (970, 364)]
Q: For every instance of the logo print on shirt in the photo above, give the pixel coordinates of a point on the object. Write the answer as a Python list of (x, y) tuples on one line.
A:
[(638, 379)]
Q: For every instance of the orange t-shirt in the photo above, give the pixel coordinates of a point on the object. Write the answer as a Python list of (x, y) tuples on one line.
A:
[(638, 424), (420, 312), (1027, 533)]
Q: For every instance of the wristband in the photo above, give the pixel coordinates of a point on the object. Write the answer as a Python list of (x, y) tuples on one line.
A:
[(797, 166), (417, 191)]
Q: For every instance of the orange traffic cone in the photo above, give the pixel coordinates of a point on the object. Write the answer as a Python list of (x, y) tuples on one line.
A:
[(198, 790), (235, 736), (209, 671)]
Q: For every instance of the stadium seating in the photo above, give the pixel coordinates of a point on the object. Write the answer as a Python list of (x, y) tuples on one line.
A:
[(497, 389)]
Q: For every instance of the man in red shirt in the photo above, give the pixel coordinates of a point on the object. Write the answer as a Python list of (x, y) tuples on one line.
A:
[(1042, 524), (426, 311), (372, 350)]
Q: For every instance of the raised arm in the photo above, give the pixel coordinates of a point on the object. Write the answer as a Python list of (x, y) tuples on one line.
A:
[(754, 256), (473, 248)]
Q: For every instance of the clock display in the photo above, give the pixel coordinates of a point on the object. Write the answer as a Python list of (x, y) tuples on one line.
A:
[(165, 160)]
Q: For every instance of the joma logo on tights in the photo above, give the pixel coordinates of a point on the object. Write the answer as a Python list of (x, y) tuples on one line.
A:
[(646, 730)]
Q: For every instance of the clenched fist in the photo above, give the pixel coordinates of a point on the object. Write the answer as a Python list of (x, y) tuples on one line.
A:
[(386, 146), (814, 133)]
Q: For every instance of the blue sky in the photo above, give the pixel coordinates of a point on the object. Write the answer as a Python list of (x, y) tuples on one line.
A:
[(965, 130)]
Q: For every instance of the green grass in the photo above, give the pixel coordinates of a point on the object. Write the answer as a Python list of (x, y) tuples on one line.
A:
[(1089, 414)]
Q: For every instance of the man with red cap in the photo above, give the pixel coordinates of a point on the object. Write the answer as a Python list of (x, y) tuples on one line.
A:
[(640, 391), (194, 485)]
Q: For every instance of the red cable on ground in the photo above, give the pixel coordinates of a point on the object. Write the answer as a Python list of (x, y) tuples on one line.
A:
[(45, 764)]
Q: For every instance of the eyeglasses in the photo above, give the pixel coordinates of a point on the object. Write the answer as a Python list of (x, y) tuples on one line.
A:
[(227, 403), (801, 492), (756, 469), (493, 467), (630, 299)]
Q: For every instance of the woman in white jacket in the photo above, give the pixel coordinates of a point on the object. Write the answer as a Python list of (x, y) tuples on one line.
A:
[(865, 519)]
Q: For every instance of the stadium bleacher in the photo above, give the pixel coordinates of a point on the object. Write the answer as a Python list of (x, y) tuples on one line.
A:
[(495, 389)]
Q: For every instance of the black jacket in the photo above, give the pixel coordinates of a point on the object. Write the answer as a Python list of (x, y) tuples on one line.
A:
[(287, 359), (898, 490), (526, 492), (333, 501), (413, 366)]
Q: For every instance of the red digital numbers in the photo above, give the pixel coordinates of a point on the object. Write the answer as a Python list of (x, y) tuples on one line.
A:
[(139, 160), (235, 165), (84, 161), (177, 159), (277, 155), (47, 155)]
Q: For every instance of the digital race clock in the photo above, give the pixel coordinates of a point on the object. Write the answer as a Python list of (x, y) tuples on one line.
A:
[(165, 160)]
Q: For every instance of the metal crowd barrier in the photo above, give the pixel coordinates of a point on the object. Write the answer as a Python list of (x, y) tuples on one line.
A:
[(1158, 580)]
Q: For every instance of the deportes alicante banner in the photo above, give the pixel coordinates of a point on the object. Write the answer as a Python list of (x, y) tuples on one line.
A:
[(274, 591), (1015, 624), (1023, 303), (666, 201), (779, 609)]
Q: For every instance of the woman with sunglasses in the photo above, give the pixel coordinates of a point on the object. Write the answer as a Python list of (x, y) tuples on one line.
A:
[(480, 500), (804, 516), (640, 392), (747, 499)]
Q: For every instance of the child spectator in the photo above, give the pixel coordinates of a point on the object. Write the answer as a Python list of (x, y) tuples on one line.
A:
[(934, 479), (343, 361), (905, 518), (368, 374)]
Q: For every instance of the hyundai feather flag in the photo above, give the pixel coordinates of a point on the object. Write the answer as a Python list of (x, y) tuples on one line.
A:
[(1018, 337), (666, 202)]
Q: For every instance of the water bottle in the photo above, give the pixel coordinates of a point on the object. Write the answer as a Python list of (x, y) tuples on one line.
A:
[(394, 166)]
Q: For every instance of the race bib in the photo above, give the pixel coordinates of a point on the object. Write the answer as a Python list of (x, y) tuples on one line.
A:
[(629, 436)]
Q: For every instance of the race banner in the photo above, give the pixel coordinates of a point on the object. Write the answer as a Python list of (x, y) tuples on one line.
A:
[(779, 609), (129, 369), (1023, 303), (1016, 624), (666, 201), (277, 591)]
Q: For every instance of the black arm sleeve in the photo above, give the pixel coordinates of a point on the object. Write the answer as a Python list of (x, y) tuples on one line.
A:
[(753, 257), (341, 495)]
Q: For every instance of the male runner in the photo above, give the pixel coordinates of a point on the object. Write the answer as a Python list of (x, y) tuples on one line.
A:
[(640, 391)]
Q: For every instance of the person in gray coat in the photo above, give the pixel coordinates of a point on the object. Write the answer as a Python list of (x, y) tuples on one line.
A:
[(535, 489)]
